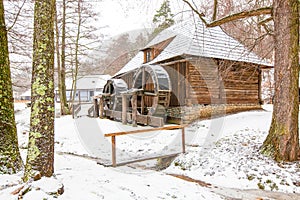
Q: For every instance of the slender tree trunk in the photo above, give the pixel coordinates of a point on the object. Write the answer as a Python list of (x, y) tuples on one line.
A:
[(282, 142), (74, 84), (10, 159), (40, 156), (62, 71)]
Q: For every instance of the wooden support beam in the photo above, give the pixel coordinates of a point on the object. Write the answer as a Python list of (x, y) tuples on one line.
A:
[(96, 108), (101, 107), (183, 139), (124, 109), (113, 145), (134, 110)]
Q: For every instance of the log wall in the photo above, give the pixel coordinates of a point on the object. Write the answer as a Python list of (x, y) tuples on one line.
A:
[(214, 81), (241, 82), (209, 81)]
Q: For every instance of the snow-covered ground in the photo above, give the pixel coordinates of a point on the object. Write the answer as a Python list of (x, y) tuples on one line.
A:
[(223, 152)]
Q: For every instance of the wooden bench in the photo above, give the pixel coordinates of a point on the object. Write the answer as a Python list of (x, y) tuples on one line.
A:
[(113, 138)]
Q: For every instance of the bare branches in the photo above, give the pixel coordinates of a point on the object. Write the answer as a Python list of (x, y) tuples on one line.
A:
[(214, 17), (17, 15), (233, 17)]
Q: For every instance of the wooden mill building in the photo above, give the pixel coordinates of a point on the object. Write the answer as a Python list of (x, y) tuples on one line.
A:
[(189, 64)]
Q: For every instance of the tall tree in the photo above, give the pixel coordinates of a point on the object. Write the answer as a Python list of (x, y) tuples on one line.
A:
[(282, 142), (163, 17), (10, 159), (61, 60), (75, 74), (40, 156)]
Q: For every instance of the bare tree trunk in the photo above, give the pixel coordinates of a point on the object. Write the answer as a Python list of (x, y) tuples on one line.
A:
[(10, 159), (40, 156), (74, 84), (282, 142), (62, 67)]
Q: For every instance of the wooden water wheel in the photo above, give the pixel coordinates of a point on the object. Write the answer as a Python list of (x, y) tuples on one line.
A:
[(112, 90), (154, 84)]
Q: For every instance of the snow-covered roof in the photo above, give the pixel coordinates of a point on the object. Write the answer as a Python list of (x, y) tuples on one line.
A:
[(27, 93), (134, 63), (88, 82), (92, 81), (193, 38)]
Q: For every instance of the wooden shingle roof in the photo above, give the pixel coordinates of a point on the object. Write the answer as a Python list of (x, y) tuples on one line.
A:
[(193, 38)]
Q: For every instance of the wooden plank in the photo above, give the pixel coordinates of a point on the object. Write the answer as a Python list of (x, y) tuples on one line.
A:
[(144, 130), (116, 115), (142, 119), (108, 113), (113, 152), (155, 121)]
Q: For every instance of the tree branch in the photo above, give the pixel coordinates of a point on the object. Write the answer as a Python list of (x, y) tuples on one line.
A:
[(16, 18), (214, 17), (233, 17)]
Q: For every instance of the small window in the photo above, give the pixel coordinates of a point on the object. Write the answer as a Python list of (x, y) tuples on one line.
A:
[(91, 93), (148, 56)]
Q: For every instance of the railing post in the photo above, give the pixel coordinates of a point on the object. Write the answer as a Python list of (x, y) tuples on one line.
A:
[(183, 139), (96, 110), (134, 109), (113, 154), (124, 109), (73, 111), (101, 107)]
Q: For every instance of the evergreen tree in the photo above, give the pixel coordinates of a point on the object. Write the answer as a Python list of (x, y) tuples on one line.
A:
[(10, 159), (40, 154), (163, 17)]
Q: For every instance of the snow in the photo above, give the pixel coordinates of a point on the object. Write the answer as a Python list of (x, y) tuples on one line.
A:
[(223, 152)]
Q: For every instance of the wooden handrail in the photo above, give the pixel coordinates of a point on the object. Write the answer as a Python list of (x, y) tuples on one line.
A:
[(143, 130), (113, 138)]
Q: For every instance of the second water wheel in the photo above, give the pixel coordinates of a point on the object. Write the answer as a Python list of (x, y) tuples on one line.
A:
[(154, 83)]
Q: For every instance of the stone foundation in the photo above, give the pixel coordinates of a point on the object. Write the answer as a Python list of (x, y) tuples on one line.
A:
[(188, 114)]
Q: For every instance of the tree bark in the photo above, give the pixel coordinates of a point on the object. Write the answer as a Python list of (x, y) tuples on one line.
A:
[(10, 159), (282, 142), (62, 68), (40, 156)]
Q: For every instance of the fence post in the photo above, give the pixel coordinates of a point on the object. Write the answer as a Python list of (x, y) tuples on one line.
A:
[(101, 107), (96, 109), (113, 145), (183, 139), (73, 111), (124, 109), (134, 109)]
